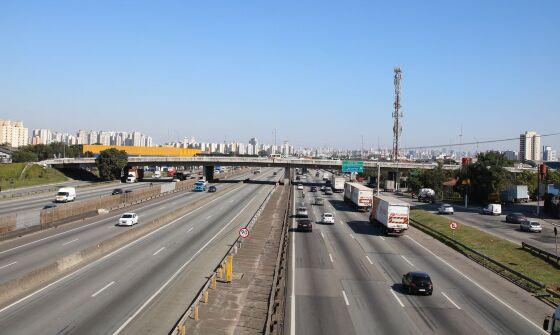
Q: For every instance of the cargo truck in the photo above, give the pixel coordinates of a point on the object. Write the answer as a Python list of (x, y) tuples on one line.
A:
[(390, 213), (515, 193), (359, 196), (337, 183), (134, 175)]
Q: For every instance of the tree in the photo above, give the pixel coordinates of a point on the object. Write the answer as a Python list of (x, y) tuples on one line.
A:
[(110, 163), (487, 176), (23, 156)]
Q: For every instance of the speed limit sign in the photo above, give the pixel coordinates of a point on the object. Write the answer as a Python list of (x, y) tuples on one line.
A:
[(243, 232), (453, 225)]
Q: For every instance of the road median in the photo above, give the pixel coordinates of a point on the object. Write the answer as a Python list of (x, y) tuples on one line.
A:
[(503, 257)]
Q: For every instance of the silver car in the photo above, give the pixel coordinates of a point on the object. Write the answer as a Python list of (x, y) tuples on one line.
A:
[(445, 209), (531, 226)]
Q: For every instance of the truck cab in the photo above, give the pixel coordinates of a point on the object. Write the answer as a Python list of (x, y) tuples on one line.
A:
[(552, 324)]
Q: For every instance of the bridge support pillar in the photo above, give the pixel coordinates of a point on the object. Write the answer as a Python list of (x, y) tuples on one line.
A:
[(287, 175), (209, 173)]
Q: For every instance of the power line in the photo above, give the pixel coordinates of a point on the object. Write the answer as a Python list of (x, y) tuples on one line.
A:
[(477, 142)]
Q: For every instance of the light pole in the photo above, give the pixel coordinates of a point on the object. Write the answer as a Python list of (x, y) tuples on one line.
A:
[(476, 140)]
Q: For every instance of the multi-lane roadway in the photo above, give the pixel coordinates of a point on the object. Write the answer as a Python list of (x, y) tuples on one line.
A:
[(346, 279), (105, 296)]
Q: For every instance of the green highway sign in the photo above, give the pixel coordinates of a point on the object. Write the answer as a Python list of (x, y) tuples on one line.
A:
[(352, 166)]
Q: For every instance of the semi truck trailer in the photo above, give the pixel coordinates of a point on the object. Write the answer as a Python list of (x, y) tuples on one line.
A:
[(337, 183), (359, 196), (390, 213)]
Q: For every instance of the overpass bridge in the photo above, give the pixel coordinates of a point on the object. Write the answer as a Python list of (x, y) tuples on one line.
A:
[(288, 163)]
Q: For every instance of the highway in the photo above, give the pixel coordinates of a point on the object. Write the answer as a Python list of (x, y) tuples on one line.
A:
[(105, 296), (496, 225), (345, 279), (20, 257)]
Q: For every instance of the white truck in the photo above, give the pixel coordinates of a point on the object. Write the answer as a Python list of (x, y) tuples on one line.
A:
[(132, 177), (515, 193), (337, 183), (552, 324), (391, 213), (360, 196), (65, 194)]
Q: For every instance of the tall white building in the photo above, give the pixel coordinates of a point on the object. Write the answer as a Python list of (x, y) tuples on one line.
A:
[(13, 133), (549, 155), (529, 146)]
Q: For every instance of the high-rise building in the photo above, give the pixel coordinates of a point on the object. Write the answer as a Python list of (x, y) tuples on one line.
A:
[(549, 155), (529, 146), (510, 155), (42, 136), (13, 133)]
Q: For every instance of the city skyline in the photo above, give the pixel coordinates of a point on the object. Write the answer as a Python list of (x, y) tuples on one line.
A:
[(332, 77)]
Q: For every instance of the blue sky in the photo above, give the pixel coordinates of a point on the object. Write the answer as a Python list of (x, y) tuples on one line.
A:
[(318, 71)]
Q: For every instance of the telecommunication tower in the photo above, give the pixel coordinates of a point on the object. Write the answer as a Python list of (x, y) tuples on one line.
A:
[(397, 114)]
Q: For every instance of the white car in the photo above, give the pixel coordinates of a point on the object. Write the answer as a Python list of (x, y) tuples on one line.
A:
[(302, 212), (300, 187), (445, 209), (530, 226), (492, 209), (328, 218), (128, 219)]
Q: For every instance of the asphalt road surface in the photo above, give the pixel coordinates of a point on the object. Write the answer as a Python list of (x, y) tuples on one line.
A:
[(106, 295), (346, 279)]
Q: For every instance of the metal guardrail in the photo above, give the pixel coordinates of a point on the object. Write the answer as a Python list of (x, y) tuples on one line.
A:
[(493, 261), (202, 295), (548, 256)]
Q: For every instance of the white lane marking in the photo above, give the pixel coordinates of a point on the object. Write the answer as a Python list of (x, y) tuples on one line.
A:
[(451, 301), (87, 266), (345, 298), (190, 229), (102, 289), (162, 207), (180, 269), (208, 217), (74, 240), (409, 262), (5, 266), (477, 284), (231, 200), (381, 237), (157, 252), (322, 235), (399, 300), (330, 256), (352, 236), (341, 222), (369, 260)]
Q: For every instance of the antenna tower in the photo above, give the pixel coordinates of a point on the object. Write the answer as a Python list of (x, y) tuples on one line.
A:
[(397, 115)]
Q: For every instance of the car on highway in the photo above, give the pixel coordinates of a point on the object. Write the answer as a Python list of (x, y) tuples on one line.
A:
[(128, 219), (323, 188), (301, 212), (65, 194), (327, 218), (300, 187), (297, 178), (445, 209), (313, 188), (317, 174), (274, 173), (515, 218), (530, 226), (304, 225), (417, 282), (212, 189), (117, 191), (304, 177), (319, 201), (328, 191), (492, 209), (176, 180)]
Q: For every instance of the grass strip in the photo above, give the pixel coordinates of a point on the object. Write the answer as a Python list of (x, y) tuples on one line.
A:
[(10, 176)]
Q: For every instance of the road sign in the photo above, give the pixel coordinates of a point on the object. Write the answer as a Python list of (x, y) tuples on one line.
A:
[(453, 225), (352, 166), (243, 232)]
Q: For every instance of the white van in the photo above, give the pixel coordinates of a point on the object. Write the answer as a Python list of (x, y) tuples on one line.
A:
[(157, 174), (65, 194), (492, 209)]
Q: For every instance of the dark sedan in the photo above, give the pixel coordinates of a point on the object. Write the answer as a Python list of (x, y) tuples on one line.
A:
[(212, 189), (417, 282), (515, 218), (305, 225), (117, 191), (313, 188)]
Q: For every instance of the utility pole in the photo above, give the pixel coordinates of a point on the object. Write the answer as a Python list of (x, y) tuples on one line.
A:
[(362, 152), (397, 126)]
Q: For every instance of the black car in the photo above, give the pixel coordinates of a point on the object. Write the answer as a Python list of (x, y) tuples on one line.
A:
[(515, 218), (305, 225), (328, 191), (417, 282), (212, 189), (117, 191), (313, 188)]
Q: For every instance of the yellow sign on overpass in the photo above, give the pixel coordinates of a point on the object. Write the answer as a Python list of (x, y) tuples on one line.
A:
[(143, 151)]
